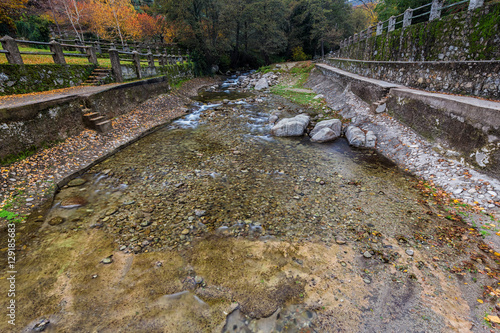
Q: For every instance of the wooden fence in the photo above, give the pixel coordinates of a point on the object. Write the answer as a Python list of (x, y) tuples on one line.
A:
[(137, 53)]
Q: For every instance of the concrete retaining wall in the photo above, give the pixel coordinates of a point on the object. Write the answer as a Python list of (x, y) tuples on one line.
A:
[(474, 78), (468, 125), (57, 118), (21, 79), (468, 35)]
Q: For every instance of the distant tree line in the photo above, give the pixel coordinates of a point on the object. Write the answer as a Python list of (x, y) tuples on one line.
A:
[(256, 32), (227, 33)]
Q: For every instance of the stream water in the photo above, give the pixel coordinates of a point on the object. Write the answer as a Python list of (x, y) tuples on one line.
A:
[(218, 172)]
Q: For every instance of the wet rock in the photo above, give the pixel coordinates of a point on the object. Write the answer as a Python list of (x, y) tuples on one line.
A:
[(371, 140), (262, 84), (56, 220), (77, 182), (107, 260), (73, 202), (200, 213), (324, 135), (291, 126), (334, 124), (355, 136), (41, 325), (340, 240)]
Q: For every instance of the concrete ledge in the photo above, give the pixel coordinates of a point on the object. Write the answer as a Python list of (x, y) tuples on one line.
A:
[(468, 125), (370, 90), (27, 121), (474, 78)]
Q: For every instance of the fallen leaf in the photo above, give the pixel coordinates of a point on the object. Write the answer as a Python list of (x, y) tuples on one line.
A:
[(480, 301), (494, 319)]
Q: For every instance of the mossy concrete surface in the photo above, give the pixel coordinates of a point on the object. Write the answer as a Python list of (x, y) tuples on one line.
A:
[(22, 79), (58, 116), (473, 35)]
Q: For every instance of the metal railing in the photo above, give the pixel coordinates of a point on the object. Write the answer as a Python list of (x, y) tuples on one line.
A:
[(406, 19)]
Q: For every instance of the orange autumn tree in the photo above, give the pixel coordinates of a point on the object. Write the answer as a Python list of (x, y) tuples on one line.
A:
[(9, 9), (112, 19), (152, 28)]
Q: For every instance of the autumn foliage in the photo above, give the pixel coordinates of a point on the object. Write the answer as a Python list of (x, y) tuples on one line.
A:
[(10, 9)]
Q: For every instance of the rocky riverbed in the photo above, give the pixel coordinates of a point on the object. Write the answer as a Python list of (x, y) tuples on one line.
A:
[(213, 225)]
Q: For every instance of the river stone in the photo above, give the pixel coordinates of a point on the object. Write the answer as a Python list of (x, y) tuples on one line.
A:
[(334, 124), (107, 260), (262, 84), (410, 252), (41, 325), (73, 202), (355, 136), (367, 254), (77, 182), (324, 135), (371, 140), (291, 126), (56, 220)]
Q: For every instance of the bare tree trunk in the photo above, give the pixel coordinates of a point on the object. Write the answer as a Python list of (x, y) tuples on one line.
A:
[(55, 17)]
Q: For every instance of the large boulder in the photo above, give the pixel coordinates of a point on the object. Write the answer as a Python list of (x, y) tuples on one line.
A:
[(262, 84), (334, 124), (324, 135), (291, 126), (355, 136)]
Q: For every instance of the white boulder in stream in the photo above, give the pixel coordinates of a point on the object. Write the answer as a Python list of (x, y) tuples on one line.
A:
[(355, 136), (291, 126), (326, 130), (262, 84)]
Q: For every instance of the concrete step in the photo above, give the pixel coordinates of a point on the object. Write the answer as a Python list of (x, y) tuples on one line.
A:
[(97, 119), (103, 126)]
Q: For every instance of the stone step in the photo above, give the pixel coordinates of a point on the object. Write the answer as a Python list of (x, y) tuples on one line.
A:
[(88, 119), (97, 119), (104, 126)]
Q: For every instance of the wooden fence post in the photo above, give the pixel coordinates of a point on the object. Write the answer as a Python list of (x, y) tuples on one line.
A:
[(137, 62), (380, 27), (407, 18), (57, 51), (436, 7), (473, 4), (392, 23), (115, 63), (151, 58), (10, 45), (91, 55)]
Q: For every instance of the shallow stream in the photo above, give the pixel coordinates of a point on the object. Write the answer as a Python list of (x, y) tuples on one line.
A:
[(217, 176)]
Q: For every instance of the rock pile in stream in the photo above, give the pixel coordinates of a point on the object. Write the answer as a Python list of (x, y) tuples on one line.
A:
[(324, 131), (259, 81)]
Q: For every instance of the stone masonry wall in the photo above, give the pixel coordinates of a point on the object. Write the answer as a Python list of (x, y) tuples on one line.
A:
[(473, 35), (474, 78), (21, 79), (34, 124)]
